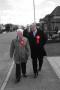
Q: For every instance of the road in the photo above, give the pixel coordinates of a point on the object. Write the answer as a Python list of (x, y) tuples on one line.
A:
[(5, 63)]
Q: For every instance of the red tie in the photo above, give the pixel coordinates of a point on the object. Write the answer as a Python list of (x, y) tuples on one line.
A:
[(37, 39)]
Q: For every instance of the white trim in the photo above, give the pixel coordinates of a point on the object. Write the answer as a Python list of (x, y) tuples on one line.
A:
[(56, 17), (7, 77)]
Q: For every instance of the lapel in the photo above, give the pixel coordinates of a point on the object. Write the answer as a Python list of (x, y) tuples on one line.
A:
[(32, 35)]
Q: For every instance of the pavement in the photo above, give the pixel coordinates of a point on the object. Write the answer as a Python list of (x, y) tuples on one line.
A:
[(48, 78)]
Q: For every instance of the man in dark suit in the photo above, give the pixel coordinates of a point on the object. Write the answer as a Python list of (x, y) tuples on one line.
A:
[(37, 40)]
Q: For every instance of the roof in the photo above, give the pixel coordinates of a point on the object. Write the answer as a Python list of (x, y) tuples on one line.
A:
[(56, 11)]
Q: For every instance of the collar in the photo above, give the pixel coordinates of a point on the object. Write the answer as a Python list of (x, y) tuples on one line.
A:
[(34, 33)]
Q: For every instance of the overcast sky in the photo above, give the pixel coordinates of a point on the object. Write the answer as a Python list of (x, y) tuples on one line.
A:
[(21, 11)]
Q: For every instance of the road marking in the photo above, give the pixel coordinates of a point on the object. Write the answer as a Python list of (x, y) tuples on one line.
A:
[(7, 77)]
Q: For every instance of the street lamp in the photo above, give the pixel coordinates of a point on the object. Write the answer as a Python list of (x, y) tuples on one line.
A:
[(34, 10)]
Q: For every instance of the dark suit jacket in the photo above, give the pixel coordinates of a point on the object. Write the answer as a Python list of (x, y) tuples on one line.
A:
[(37, 43)]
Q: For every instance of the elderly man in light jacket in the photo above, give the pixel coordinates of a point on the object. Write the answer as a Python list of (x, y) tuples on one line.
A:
[(20, 49)]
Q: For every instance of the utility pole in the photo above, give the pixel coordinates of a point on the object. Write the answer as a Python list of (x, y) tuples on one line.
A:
[(34, 9)]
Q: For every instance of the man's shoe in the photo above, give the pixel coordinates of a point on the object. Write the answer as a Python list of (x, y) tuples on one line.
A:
[(35, 75), (25, 75), (17, 80)]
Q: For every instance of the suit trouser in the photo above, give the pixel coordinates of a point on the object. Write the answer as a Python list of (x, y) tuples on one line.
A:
[(40, 59), (34, 62), (18, 71), (20, 67), (23, 66)]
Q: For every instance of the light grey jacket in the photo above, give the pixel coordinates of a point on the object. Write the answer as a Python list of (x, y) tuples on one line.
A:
[(20, 54)]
